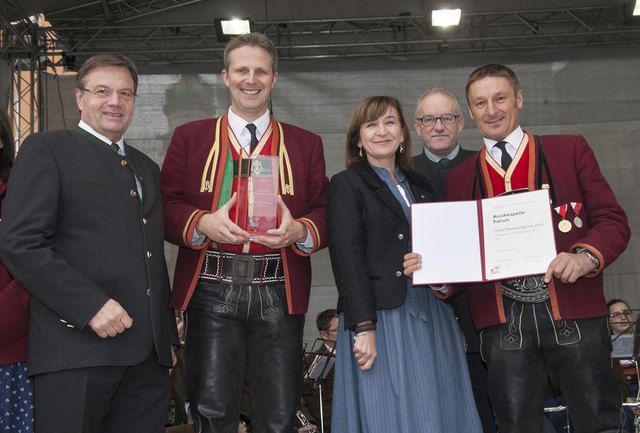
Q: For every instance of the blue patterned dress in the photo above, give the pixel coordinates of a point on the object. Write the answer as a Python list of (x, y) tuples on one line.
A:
[(16, 406)]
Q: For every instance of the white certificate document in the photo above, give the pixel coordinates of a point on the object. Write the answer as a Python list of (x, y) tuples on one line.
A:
[(483, 240)]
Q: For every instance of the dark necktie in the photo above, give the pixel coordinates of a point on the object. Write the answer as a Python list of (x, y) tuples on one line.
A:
[(444, 162), (254, 138), (505, 159), (115, 147)]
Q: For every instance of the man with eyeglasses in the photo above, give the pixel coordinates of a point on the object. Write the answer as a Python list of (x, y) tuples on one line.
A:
[(439, 122), (327, 324), (82, 230)]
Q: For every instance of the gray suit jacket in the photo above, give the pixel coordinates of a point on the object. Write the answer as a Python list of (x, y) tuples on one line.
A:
[(75, 233)]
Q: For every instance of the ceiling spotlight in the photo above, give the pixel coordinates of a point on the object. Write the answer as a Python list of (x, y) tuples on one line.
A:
[(445, 17), (226, 28)]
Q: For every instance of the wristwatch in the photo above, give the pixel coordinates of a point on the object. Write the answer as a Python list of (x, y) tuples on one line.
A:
[(590, 256)]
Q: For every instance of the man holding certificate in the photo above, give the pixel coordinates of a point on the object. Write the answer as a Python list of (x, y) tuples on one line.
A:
[(555, 320), (245, 199)]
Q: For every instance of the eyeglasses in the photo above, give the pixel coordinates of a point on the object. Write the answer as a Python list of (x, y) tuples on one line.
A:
[(619, 314), (331, 330), (106, 93), (446, 119)]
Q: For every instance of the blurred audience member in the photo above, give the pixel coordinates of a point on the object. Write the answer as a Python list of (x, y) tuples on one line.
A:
[(327, 323), (16, 393), (622, 321)]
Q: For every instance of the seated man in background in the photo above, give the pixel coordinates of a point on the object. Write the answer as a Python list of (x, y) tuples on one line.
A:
[(327, 323)]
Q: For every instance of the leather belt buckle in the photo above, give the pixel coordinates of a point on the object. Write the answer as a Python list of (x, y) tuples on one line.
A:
[(242, 269)]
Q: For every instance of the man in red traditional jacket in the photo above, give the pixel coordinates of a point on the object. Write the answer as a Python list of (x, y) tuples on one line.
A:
[(557, 320), (245, 294)]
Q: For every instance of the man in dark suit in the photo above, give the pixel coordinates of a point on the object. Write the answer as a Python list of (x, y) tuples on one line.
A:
[(439, 122), (245, 295), (82, 231), (556, 320)]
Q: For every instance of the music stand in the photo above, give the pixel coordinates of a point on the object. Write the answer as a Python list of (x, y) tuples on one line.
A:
[(626, 346), (318, 370)]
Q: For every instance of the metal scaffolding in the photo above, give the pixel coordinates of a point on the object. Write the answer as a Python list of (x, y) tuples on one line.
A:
[(89, 30), (22, 47), (25, 98), (100, 26)]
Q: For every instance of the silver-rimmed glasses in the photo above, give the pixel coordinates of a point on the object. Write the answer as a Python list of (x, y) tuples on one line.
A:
[(619, 314), (106, 93), (446, 119)]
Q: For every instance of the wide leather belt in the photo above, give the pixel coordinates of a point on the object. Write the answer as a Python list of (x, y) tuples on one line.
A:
[(239, 268)]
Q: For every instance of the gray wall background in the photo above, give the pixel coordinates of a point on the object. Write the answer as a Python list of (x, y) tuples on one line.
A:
[(593, 92)]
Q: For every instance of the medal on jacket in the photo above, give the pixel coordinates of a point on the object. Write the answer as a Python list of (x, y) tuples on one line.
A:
[(576, 206), (564, 225)]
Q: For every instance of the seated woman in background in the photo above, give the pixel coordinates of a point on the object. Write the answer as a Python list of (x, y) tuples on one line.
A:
[(400, 363), (621, 317), (622, 321)]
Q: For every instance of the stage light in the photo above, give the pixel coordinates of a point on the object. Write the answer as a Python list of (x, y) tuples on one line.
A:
[(226, 28), (445, 17)]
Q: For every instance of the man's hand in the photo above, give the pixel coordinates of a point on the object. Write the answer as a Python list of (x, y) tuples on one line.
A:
[(219, 228), (412, 262), (568, 267), (634, 409), (110, 320), (290, 231), (180, 326)]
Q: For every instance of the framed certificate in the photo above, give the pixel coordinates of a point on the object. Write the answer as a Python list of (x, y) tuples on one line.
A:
[(483, 240)]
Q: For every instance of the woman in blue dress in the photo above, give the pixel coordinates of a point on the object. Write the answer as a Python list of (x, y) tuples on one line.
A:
[(400, 363)]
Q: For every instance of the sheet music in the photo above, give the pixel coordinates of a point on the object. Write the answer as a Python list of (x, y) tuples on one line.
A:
[(320, 367)]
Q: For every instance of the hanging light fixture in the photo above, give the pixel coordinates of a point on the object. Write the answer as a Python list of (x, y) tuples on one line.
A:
[(227, 28)]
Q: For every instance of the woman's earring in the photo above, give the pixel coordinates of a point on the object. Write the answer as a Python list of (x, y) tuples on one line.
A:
[(360, 150), (402, 147)]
